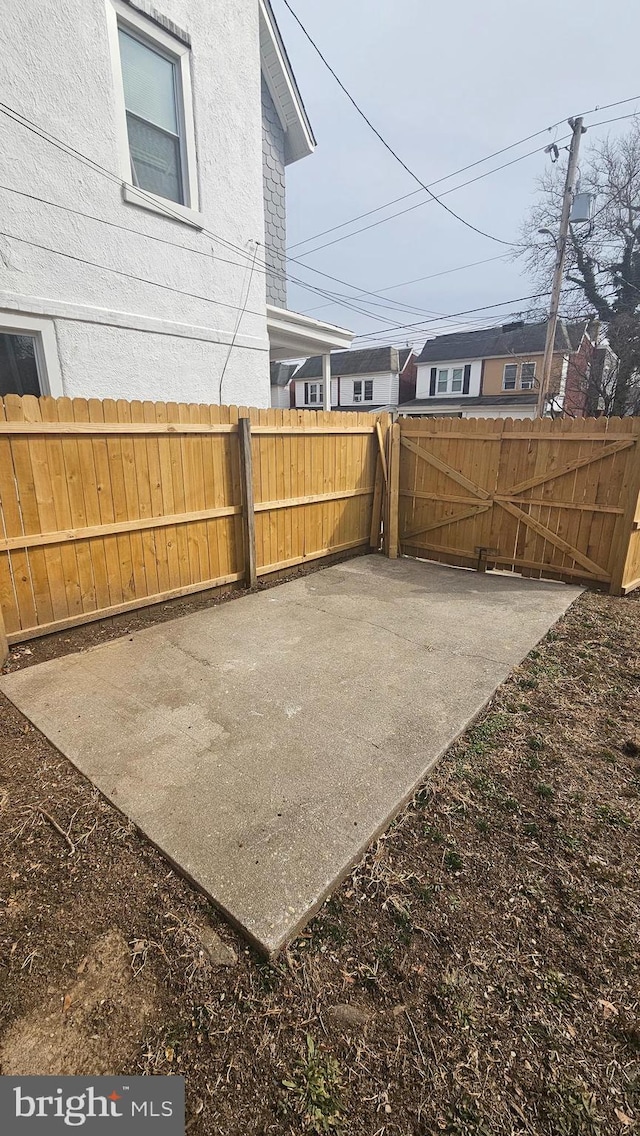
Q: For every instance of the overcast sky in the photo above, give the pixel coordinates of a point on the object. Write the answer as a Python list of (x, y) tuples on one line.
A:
[(446, 84)]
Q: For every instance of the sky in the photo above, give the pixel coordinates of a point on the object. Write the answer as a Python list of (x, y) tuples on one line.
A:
[(446, 84)]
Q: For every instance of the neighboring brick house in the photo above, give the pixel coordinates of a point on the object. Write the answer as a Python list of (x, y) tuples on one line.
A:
[(590, 374), (495, 372), (365, 379)]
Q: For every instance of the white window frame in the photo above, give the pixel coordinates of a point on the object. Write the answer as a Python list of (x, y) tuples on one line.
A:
[(504, 377), (449, 372), (46, 348), (308, 387), (453, 379), (361, 395), (530, 384), (120, 15)]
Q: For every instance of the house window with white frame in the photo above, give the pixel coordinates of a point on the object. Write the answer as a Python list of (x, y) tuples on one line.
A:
[(527, 376), (153, 93), (510, 376), (450, 380), (363, 390), (313, 393), (29, 362)]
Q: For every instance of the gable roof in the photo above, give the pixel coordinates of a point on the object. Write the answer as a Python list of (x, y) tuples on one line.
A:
[(281, 373), (404, 355), (367, 361), (281, 81), (489, 342)]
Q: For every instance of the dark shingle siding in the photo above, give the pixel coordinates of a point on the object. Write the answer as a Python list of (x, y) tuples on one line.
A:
[(275, 219), (369, 361), (493, 341)]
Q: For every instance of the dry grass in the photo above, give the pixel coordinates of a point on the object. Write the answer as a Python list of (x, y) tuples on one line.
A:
[(490, 939)]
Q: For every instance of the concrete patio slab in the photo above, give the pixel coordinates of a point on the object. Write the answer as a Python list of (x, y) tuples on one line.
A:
[(262, 744)]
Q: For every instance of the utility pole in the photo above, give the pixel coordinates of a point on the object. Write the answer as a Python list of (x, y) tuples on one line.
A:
[(561, 248)]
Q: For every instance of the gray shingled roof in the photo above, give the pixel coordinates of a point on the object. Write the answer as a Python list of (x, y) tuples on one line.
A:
[(367, 361), (495, 341), (454, 402), (403, 355), (281, 373)]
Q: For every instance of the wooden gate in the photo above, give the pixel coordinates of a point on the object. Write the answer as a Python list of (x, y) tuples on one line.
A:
[(553, 499)]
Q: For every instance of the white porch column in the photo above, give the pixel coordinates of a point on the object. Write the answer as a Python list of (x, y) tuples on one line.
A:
[(326, 381)]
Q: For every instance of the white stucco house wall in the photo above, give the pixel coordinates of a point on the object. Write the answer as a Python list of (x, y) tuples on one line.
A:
[(142, 156), (366, 379)]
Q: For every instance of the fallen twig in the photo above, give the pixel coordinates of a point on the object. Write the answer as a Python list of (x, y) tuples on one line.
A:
[(54, 824), (417, 1039)]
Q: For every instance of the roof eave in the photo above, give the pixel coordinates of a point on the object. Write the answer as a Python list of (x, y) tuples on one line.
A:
[(280, 79)]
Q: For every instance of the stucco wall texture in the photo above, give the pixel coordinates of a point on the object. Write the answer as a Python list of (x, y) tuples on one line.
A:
[(121, 337)]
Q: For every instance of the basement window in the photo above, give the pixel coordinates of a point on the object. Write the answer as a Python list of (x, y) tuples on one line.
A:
[(28, 357)]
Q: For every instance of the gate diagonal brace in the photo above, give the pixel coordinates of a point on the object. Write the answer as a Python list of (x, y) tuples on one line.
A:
[(505, 499)]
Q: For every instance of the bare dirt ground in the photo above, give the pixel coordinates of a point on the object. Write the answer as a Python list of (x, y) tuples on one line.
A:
[(478, 973)]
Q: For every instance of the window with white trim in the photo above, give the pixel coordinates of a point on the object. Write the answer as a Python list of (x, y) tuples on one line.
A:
[(510, 376), (527, 376), (363, 390), (155, 111), (28, 356), (313, 393), (450, 380)]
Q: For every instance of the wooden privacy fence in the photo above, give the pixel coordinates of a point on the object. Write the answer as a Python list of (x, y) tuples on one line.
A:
[(109, 506), (552, 499)]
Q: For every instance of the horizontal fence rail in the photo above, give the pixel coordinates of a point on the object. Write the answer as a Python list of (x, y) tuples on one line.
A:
[(109, 506)]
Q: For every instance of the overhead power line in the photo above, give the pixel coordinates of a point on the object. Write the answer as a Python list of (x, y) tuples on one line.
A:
[(463, 170), (420, 204), (386, 144), (69, 150), (468, 311), (419, 279), (21, 120)]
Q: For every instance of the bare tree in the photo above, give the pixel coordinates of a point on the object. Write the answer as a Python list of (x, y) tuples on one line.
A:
[(602, 273)]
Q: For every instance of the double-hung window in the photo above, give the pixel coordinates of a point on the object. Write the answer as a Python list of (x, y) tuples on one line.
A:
[(527, 376), (152, 99), (363, 390), (457, 376), (450, 380), (313, 393), (510, 376), (154, 106)]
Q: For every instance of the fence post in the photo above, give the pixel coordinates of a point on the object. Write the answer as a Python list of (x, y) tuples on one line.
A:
[(393, 497), (4, 646), (248, 513), (380, 489), (622, 537)]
